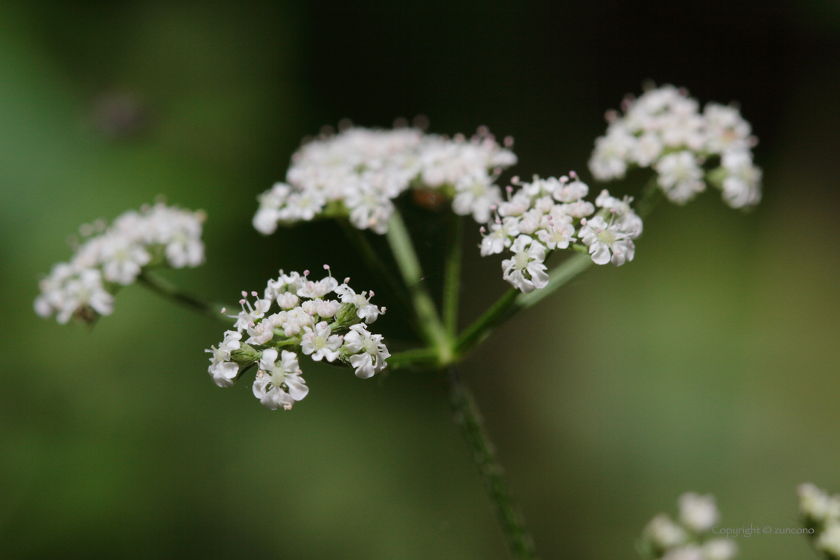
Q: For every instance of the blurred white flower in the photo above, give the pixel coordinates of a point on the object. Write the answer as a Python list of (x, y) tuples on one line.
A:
[(664, 130), (698, 513), (357, 173), (115, 256)]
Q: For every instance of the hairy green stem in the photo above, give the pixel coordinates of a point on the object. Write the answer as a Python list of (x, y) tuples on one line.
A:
[(452, 275), (172, 292), (428, 320), (468, 417)]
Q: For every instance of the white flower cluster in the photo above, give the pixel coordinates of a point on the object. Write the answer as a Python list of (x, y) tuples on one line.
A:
[(821, 513), (665, 130), (308, 322), (357, 173), (549, 214), (666, 539), (113, 256)]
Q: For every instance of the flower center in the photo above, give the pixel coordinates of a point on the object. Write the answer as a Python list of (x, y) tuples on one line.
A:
[(370, 346), (606, 236), (522, 260), (278, 376)]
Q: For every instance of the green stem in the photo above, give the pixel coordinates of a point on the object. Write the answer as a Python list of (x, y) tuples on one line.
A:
[(424, 358), (514, 301), (561, 274), (468, 417), (452, 275), (481, 328), (172, 292), (378, 266), (428, 320)]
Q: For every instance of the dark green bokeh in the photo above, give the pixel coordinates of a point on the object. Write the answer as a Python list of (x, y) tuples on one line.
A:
[(710, 363)]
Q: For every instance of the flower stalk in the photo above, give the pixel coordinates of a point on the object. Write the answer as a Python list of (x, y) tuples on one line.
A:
[(469, 419), (170, 291), (431, 327)]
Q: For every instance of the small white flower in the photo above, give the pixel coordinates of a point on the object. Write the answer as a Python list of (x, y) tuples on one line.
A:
[(279, 385), (680, 176), (816, 504), (517, 205), (726, 129), (319, 344), (609, 159), (122, 259), (284, 284), (664, 533), (607, 242), (250, 314), (646, 150), (367, 352), (569, 192), (579, 209), (369, 208), (294, 320), (84, 290), (476, 195), (317, 289), (265, 220), (698, 513), (526, 270), (557, 231), (742, 186), (326, 308), (287, 300), (364, 309), (224, 371), (500, 237), (829, 539), (263, 331)]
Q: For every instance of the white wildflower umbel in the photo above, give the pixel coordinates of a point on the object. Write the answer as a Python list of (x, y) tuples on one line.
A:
[(546, 215), (113, 256), (298, 317), (664, 130), (687, 539), (357, 173)]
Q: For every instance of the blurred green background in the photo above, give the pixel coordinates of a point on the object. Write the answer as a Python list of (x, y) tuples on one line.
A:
[(710, 363)]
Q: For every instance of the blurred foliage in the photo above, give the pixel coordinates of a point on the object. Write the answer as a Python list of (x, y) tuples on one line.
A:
[(710, 363)]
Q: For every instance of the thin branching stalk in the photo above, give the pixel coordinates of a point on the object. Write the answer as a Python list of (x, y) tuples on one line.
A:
[(452, 275), (468, 417), (428, 320), (170, 291)]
